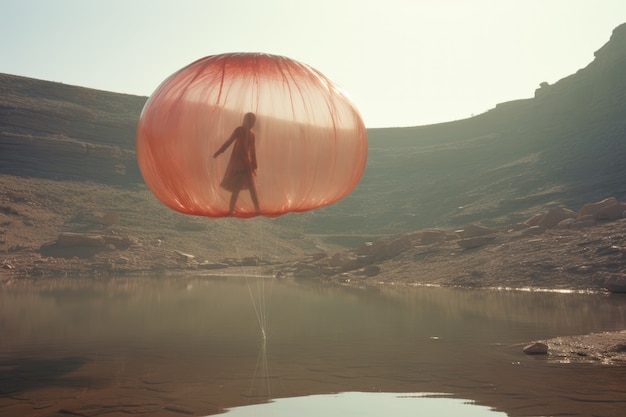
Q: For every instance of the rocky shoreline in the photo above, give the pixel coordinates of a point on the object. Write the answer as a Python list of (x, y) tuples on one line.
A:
[(608, 348), (556, 249)]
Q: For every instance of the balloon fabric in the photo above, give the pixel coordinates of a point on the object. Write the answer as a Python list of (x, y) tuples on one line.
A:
[(248, 134)]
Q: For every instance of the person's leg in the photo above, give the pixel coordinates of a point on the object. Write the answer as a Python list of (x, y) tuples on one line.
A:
[(255, 199), (233, 200)]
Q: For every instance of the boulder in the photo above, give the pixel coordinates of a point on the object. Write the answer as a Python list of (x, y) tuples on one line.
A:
[(355, 263), (609, 250), (583, 221), (611, 212), (120, 242), (534, 221), (365, 249), (431, 236), (474, 242), (378, 249), (554, 216), (515, 227), (533, 230), (251, 261), (184, 256), (318, 256), (340, 259), (474, 230), (615, 282), (371, 270), (566, 223), (69, 240), (212, 265), (593, 208), (397, 246), (536, 348)]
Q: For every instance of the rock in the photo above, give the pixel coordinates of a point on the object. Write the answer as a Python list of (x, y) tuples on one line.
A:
[(251, 261), (611, 212), (371, 270), (355, 263), (318, 256), (582, 222), (566, 223), (431, 236), (120, 242), (554, 216), (212, 265), (377, 251), (594, 208), (533, 230), (339, 259), (615, 282), (397, 246), (474, 230), (377, 248), (515, 227), (536, 348), (585, 218), (474, 242), (184, 256), (608, 250), (69, 240), (534, 221), (620, 347), (365, 249)]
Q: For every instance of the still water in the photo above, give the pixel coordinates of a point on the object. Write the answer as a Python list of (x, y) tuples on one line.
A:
[(195, 346)]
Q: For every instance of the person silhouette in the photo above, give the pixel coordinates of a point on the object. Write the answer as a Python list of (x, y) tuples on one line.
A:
[(242, 165)]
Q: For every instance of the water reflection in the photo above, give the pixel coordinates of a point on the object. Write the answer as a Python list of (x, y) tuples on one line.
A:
[(366, 405), (193, 345)]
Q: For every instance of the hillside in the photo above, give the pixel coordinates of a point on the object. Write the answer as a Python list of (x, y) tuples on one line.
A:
[(567, 145), (67, 165), (53, 130)]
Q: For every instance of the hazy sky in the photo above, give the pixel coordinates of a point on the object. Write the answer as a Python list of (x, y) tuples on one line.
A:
[(403, 62)]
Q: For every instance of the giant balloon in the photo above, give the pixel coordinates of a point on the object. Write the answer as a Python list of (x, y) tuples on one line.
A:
[(247, 134)]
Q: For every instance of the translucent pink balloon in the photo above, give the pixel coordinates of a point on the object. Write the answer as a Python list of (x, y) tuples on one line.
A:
[(304, 146)]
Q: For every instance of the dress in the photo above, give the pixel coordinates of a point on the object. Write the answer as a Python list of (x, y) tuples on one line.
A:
[(242, 163)]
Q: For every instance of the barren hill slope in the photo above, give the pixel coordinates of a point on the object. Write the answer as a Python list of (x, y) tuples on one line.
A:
[(567, 145), (53, 130)]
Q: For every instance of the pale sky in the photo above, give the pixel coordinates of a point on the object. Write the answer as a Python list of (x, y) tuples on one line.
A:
[(403, 62)]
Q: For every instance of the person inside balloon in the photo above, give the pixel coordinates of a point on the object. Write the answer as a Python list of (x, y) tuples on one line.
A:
[(242, 165)]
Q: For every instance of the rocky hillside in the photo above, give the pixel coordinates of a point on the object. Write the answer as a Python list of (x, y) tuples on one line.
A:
[(53, 130), (565, 146)]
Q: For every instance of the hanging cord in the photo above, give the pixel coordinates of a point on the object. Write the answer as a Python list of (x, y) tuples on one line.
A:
[(260, 307), (260, 381)]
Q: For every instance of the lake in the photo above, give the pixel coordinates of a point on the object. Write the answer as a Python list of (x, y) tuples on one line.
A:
[(195, 345)]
